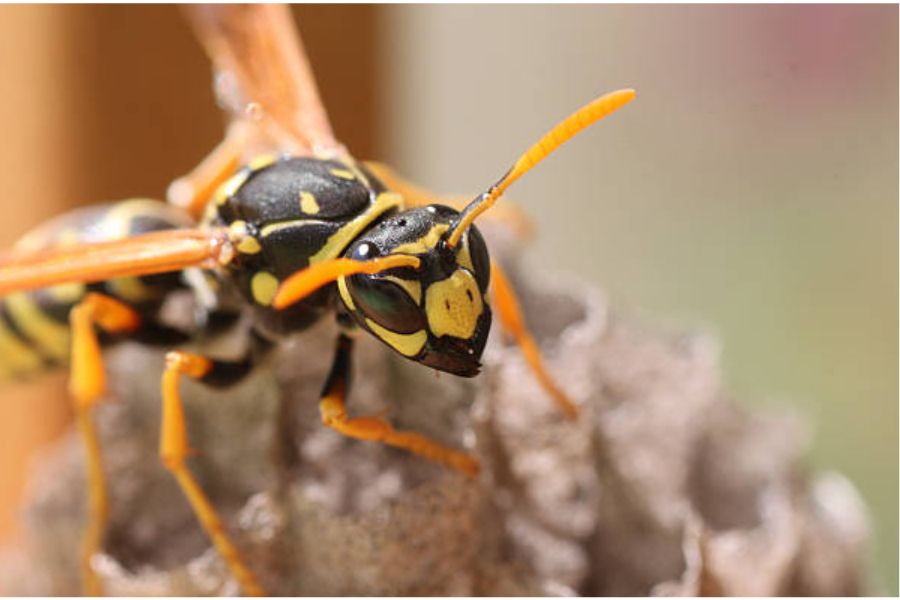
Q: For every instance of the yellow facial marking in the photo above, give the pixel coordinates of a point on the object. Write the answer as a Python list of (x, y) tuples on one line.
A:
[(343, 174), (453, 305), (345, 293), (263, 287), (464, 258), (407, 344), (262, 161), (413, 288), (349, 232), (424, 243), (230, 187), (308, 203)]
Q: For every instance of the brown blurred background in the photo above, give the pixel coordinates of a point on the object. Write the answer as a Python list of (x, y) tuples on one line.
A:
[(750, 191)]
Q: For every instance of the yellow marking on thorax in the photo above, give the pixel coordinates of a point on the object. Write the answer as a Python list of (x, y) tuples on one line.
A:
[(240, 236), (424, 243), (268, 230), (346, 234), (263, 286), (353, 166), (50, 336), (407, 344), (308, 203), (413, 288), (343, 174), (16, 356), (454, 305), (249, 245), (230, 187), (262, 161), (345, 293)]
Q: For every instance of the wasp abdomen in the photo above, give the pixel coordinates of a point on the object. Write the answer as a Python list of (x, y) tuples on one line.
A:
[(34, 326)]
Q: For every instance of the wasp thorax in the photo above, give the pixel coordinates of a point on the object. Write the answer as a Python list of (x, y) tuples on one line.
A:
[(435, 314)]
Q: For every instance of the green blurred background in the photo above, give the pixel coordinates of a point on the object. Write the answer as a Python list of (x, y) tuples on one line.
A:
[(751, 191)]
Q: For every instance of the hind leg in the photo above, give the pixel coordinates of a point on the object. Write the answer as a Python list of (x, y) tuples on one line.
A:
[(87, 383)]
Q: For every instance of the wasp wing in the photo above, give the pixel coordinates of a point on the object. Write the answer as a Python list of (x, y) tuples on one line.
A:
[(263, 75), (145, 254)]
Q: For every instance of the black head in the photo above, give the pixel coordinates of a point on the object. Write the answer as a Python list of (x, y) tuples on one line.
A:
[(437, 314)]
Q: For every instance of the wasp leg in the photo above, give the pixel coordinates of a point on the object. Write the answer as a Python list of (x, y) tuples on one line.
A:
[(193, 191), (333, 410), (414, 196), (174, 449), (504, 301), (87, 383)]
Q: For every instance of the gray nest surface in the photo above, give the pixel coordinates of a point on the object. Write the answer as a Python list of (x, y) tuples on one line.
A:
[(663, 486)]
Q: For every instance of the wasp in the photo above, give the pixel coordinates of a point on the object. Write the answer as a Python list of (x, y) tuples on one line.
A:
[(300, 232)]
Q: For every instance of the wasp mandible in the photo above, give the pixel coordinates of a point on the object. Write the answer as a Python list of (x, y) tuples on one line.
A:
[(301, 231)]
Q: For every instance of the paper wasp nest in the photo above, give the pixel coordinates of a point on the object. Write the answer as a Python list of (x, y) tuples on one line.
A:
[(665, 485)]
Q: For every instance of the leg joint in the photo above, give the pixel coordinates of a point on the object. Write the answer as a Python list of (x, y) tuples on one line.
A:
[(186, 363)]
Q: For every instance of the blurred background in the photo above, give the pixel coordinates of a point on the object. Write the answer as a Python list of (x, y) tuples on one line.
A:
[(751, 191)]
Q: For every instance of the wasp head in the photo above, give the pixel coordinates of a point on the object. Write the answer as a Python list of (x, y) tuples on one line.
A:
[(436, 314)]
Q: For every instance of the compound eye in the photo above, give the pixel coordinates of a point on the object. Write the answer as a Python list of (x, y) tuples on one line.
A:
[(481, 262), (386, 303), (365, 251)]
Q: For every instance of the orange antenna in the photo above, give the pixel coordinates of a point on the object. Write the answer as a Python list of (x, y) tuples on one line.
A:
[(578, 121), (306, 281)]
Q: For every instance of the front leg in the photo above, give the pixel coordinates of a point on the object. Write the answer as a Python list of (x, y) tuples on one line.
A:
[(333, 409)]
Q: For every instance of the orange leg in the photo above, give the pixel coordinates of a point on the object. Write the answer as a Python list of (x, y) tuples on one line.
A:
[(333, 409), (174, 449), (193, 191), (87, 383), (513, 322), (414, 196)]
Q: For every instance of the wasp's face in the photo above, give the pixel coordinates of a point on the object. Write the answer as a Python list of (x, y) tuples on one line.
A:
[(438, 314)]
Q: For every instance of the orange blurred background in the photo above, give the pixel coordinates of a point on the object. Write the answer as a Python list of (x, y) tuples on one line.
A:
[(109, 102)]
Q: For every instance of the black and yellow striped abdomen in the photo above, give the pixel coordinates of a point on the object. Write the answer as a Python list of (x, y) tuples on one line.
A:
[(34, 330)]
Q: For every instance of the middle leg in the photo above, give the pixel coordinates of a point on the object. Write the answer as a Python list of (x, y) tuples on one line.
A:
[(174, 450)]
